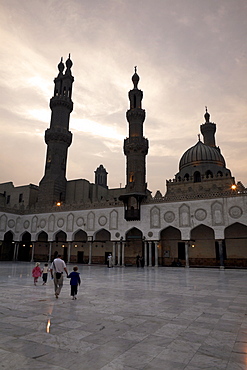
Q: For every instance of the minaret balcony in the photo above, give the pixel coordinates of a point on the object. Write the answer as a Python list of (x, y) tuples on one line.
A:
[(55, 136), (63, 101), (136, 114)]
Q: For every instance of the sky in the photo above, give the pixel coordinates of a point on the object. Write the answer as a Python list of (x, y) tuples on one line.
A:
[(189, 54)]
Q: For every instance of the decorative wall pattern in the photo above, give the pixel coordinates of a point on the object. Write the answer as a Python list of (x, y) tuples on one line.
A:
[(11, 223), (51, 223), (155, 217), (90, 221), (235, 212), (200, 214), (70, 222), (102, 220), (113, 220), (184, 216), (217, 214), (34, 224), (169, 216)]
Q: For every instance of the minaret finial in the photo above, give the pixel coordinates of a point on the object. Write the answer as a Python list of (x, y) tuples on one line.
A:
[(135, 78), (69, 65), (206, 115)]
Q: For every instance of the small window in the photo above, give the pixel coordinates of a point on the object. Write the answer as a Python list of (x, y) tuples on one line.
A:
[(197, 176), (20, 198), (8, 199)]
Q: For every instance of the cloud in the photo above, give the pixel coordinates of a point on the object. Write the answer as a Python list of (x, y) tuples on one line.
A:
[(189, 55)]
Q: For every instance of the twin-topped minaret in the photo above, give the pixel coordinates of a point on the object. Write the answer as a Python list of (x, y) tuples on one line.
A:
[(52, 187)]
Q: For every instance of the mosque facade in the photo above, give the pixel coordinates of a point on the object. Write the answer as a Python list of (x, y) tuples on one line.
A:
[(201, 220)]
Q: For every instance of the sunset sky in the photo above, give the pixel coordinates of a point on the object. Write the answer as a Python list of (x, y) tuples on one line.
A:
[(189, 54)]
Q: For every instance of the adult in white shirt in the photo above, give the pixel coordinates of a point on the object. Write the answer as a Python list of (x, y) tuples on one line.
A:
[(57, 268)]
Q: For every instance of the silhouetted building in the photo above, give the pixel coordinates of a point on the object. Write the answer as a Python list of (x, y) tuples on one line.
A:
[(201, 220)]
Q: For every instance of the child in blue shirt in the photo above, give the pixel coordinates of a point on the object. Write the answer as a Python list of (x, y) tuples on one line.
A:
[(74, 281)]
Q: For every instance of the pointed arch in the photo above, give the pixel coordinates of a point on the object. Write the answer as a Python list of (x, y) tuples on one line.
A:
[(134, 234), (42, 236), (79, 236), (102, 235), (236, 244)]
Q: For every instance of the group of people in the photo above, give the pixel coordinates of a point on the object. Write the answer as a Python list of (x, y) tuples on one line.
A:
[(57, 269)]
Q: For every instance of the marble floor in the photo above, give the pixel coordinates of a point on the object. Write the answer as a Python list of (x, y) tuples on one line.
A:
[(124, 318)]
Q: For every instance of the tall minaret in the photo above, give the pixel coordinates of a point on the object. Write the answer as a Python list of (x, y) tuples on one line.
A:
[(52, 187), (135, 149), (208, 130)]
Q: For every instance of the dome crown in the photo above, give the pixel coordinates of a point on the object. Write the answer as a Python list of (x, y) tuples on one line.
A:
[(201, 154)]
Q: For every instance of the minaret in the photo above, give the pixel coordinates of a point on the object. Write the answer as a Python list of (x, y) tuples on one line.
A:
[(135, 149), (208, 130), (101, 176), (52, 187)]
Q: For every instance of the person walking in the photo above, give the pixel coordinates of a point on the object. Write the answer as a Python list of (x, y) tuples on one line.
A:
[(58, 266), (36, 273), (45, 273), (75, 280)]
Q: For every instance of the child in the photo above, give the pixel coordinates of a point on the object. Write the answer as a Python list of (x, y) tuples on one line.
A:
[(45, 273), (36, 273), (74, 281)]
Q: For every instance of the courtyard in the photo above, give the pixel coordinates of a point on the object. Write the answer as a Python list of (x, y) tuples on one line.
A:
[(124, 318)]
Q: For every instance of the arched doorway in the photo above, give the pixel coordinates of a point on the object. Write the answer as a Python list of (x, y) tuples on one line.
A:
[(61, 245), (25, 248), (102, 246), (41, 247), (236, 245), (78, 247), (134, 246), (7, 247), (202, 247), (172, 248)]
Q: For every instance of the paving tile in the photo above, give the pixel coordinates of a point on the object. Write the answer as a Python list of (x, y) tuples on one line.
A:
[(124, 319)]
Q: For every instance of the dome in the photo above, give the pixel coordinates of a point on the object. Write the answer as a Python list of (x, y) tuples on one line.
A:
[(201, 154)]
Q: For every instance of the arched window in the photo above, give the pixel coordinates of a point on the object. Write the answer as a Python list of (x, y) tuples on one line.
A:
[(186, 177), (197, 176), (209, 174)]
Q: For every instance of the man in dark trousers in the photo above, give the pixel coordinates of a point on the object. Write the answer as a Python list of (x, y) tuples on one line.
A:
[(57, 268)]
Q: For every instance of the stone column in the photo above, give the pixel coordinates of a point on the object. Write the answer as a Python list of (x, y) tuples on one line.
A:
[(150, 253), (15, 250), (50, 247), (187, 243), (221, 254), (90, 253), (156, 254), (69, 251), (32, 252), (118, 253), (123, 247), (114, 253), (145, 253)]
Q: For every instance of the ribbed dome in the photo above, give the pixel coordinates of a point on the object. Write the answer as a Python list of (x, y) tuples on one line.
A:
[(201, 154)]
